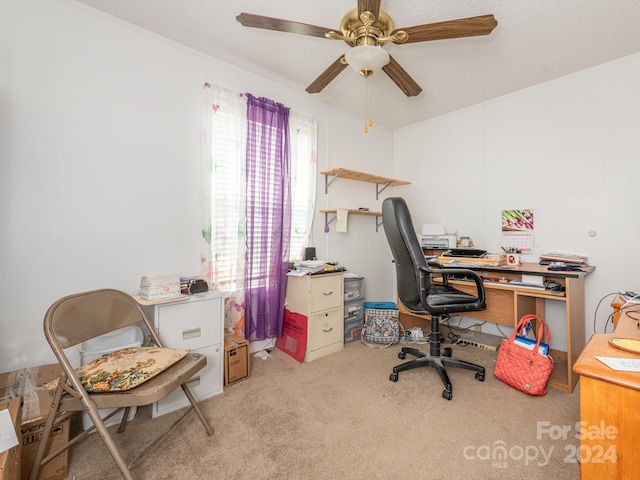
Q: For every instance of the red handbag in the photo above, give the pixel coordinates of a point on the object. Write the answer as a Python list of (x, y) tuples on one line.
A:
[(522, 368)]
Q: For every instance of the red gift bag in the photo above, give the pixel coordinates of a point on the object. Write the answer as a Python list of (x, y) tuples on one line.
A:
[(294, 335), (522, 368)]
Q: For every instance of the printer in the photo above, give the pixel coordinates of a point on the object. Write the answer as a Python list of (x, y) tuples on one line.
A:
[(435, 237), (439, 242)]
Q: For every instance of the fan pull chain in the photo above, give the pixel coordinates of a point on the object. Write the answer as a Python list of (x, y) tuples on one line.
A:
[(367, 106)]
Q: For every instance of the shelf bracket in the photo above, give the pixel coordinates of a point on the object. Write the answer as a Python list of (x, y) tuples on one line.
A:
[(330, 217), (380, 190), (328, 182), (327, 221)]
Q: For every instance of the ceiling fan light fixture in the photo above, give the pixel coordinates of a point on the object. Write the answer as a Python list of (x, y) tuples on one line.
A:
[(366, 59)]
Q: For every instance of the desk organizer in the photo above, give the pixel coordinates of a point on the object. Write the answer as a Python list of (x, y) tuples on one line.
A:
[(488, 260)]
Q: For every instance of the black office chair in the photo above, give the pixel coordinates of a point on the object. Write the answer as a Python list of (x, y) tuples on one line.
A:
[(420, 295)]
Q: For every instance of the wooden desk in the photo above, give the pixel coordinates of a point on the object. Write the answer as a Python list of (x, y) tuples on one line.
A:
[(609, 406), (507, 304)]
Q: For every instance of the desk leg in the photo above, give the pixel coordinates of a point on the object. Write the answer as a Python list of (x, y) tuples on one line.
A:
[(540, 308), (575, 325)]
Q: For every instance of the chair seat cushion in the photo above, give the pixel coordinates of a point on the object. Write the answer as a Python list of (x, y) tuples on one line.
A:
[(442, 295), (126, 368)]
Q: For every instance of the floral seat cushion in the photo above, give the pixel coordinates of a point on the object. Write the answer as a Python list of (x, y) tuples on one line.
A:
[(126, 368)]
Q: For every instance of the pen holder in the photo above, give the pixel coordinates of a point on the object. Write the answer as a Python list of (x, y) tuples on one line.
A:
[(514, 259)]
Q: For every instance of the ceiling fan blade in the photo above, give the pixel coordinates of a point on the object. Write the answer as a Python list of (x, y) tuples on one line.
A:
[(327, 76), (401, 78), (372, 6), (463, 27), (268, 23)]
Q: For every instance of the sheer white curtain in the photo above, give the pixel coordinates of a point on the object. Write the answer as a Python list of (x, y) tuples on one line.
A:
[(224, 202)]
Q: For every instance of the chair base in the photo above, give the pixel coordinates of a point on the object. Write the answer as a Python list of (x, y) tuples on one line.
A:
[(435, 358), (439, 363)]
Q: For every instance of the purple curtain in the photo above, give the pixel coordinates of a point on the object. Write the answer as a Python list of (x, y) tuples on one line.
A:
[(268, 217)]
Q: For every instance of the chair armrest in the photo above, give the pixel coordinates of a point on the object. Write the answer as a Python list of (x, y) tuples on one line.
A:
[(480, 293), (433, 264)]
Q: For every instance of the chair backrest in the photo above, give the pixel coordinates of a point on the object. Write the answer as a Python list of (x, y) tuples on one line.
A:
[(83, 316), (407, 252)]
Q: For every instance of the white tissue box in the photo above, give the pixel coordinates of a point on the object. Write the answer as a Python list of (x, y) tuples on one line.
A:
[(155, 287)]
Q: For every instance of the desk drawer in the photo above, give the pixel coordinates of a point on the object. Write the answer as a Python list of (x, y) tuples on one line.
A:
[(325, 329), (326, 292), (189, 324), (500, 303)]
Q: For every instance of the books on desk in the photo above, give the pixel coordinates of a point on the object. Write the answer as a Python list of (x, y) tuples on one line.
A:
[(567, 258)]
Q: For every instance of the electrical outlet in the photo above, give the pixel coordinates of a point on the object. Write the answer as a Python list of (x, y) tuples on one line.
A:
[(416, 332)]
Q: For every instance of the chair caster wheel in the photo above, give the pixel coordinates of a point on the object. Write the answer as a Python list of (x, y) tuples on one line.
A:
[(447, 395), (393, 377), (446, 352), (402, 355), (480, 377)]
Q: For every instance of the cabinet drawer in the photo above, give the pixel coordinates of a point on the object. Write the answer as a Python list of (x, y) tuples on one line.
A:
[(325, 329), (190, 324), (326, 292), (206, 383)]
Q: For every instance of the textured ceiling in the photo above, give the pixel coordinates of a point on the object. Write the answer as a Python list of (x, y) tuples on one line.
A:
[(534, 42)]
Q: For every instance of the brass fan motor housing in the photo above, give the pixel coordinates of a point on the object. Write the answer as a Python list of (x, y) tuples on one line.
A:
[(356, 32)]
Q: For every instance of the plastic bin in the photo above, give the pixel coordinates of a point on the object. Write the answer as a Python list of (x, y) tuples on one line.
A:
[(353, 309), (353, 288), (126, 337), (380, 305), (353, 329)]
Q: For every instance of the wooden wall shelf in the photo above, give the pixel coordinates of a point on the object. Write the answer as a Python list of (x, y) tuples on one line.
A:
[(360, 177), (334, 212), (380, 182)]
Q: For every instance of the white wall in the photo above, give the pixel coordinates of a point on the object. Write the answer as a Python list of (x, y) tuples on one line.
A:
[(568, 149), (100, 161), (361, 249)]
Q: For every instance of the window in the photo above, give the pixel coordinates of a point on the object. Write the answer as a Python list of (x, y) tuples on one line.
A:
[(224, 148), (304, 131)]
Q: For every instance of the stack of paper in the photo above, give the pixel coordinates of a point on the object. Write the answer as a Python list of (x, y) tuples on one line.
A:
[(621, 364), (565, 257), (309, 267)]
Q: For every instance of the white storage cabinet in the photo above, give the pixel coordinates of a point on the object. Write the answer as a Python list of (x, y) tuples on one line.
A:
[(320, 298), (196, 323)]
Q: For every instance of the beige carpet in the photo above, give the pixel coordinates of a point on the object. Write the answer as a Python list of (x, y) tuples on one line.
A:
[(340, 417)]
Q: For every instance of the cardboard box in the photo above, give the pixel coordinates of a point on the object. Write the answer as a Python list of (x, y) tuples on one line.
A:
[(28, 384), (236, 359), (10, 459)]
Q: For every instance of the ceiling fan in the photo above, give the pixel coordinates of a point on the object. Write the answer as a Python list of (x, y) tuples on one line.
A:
[(368, 27)]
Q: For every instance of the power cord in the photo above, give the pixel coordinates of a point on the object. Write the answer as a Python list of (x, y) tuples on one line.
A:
[(609, 317), (455, 337), (270, 348)]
